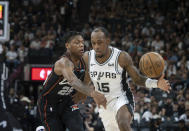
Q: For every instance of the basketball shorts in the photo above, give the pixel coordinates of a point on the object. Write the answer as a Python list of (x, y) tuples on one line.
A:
[(58, 117), (108, 115)]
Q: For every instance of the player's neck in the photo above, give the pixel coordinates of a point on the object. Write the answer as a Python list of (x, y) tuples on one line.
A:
[(75, 59)]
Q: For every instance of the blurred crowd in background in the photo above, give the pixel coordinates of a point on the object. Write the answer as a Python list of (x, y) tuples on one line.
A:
[(37, 28)]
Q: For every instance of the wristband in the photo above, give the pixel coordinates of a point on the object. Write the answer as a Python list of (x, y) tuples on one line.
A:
[(151, 83)]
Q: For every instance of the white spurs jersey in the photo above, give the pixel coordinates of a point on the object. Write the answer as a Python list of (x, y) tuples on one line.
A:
[(109, 78)]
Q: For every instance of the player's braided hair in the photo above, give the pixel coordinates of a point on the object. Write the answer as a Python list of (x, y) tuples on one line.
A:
[(70, 35)]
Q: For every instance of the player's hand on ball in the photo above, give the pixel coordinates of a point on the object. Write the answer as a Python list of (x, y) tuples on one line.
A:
[(164, 84), (99, 99)]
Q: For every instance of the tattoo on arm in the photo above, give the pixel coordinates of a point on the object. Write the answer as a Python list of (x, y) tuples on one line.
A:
[(85, 86), (78, 85), (67, 64), (67, 71)]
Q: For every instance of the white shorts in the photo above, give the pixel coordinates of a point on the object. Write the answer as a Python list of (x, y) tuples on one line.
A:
[(108, 115)]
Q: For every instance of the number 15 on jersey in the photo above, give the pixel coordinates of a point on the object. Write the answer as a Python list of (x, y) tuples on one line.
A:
[(103, 87)]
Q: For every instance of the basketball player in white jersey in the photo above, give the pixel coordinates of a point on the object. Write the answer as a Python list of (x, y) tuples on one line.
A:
[(108, 68)]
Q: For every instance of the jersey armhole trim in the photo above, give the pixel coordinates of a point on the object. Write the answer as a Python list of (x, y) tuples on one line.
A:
[(89, 59), (117, 62)]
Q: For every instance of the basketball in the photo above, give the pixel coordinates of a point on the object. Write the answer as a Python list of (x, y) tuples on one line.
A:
[(152, 65)]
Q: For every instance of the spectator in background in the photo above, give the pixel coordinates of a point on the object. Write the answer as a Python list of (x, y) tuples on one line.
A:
[(167, 109), (137, 116), (181, 108), (185, 116), (22, 53), (135, 48), (187, 95), (49, 40), (172, 57), (145, 30), (150, 114), (175, 116), (157, 44), (126, 42), (35, 44), (186, 40), (11, 58), (182, 126), (12, 96), (171, 70)]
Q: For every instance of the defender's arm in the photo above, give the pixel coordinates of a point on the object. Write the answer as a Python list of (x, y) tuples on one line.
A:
[(65, 67)]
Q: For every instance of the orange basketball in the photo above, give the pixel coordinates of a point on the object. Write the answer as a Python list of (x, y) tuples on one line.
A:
[(152, 65)]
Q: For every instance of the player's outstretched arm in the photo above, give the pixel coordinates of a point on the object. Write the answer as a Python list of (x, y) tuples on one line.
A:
[(65, 67), (126, 62)]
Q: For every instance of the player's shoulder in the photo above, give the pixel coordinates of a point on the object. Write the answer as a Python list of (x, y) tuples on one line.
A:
[(123, 54), (115, 49), (124, 59), (86, 55), (62, 62)]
